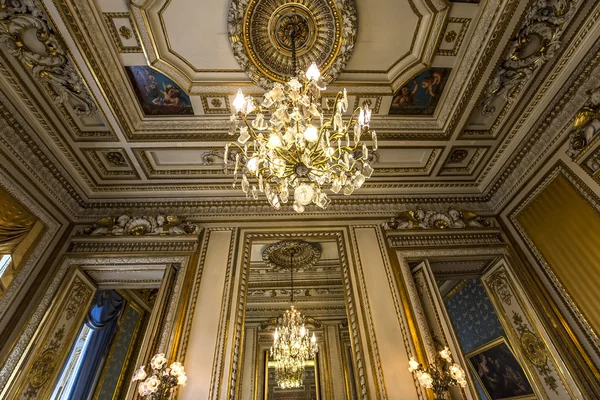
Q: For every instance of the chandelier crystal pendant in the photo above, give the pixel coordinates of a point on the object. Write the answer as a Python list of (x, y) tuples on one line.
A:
[(292, 345), (288, 149)]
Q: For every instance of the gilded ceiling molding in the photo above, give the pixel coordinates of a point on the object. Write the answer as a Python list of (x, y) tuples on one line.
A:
[(344, 209), (548, 132), (438, 220), (19, 144), (259, 37), (51, 68), (543, 25), (444, 238), (143, 225), (132, 244)]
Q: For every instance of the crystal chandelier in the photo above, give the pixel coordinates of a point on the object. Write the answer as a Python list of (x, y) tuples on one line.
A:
[(287, 144), (292, 346)]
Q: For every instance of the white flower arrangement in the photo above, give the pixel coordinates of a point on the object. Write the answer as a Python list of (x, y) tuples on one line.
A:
[(160, 385), (439, 375)]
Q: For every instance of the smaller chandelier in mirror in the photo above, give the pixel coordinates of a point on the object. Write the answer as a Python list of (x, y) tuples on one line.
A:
[(292, 347), (288, 149), (292, 343)]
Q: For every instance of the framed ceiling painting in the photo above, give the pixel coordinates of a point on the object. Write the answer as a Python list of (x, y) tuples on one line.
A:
[(498, 372), (157, 93), (421, 95)]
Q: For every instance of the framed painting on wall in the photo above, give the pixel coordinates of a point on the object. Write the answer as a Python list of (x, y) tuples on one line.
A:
[(499, 373)]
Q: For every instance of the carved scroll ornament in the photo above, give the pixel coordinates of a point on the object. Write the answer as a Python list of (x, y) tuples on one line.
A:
[(126, 225), (44, 54), (451, 219), (536, 42)]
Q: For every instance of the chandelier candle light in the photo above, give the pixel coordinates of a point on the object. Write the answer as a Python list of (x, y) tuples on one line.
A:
[(292, 345), (298, 149), (163, 379), (440, 375)]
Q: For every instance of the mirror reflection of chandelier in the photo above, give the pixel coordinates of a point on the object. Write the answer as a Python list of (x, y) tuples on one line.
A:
[(292, 344), (297, 148)]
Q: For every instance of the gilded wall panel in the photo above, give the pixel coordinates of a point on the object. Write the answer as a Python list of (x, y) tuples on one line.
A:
[(570, 247), (48, 353), (532, 346)]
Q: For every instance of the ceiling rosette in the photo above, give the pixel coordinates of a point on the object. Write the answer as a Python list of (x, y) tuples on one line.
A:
[(259, 34)]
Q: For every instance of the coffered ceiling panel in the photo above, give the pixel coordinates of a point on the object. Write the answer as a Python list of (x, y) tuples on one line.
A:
[(137, 102)]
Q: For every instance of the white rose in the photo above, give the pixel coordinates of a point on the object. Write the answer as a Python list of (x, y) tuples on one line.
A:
[(152, 383), (143, 389), (413, 365), (139, 375), (177, 369), (445, 354), (426, 380), (456, 372), (182, 379), (158, 361)]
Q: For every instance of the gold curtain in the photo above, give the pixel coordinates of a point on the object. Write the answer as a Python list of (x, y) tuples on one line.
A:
[(15, 222)]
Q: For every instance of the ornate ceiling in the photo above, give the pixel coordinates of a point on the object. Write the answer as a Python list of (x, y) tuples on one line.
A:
[(114, 104)]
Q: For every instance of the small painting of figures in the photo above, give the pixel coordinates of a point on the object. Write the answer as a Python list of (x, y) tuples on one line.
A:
[(158, 94), (499, 372), (421, 95)]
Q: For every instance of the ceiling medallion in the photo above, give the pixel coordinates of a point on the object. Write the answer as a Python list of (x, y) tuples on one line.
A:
[(277, 255), (259, 33)]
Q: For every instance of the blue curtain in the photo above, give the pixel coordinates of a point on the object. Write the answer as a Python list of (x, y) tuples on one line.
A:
[(102, 319)]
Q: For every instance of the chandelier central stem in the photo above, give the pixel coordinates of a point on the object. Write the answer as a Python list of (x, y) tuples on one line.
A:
[(291, 150), (292, 252)]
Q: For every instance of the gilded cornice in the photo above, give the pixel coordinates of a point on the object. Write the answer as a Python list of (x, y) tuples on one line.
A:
[(549, 132), (24, 148)]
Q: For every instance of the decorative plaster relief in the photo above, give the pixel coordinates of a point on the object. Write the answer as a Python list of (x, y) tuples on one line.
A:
[(51, 67), (300, 254), (536, 42), (523, 329), (140, 226), (451, 219), (265, 54)]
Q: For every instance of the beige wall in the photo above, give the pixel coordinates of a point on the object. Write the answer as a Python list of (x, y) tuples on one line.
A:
[(203, 335), (382, 316)]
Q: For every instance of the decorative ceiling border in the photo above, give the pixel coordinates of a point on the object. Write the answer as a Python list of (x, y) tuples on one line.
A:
[(188, 129), (126, 171), (550, 130), (33, 159), (109, 18), (456, 38), (31, 101)]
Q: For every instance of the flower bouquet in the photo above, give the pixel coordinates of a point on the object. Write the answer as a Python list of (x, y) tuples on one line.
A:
[(439, 375), (160, 385)]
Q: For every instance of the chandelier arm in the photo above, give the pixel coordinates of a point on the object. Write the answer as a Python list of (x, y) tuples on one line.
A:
[(280, 154)]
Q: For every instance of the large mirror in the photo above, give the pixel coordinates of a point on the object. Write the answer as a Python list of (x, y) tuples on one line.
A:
[(319, 295)]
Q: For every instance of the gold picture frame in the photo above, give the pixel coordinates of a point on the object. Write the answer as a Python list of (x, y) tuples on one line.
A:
[(499, 373)]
